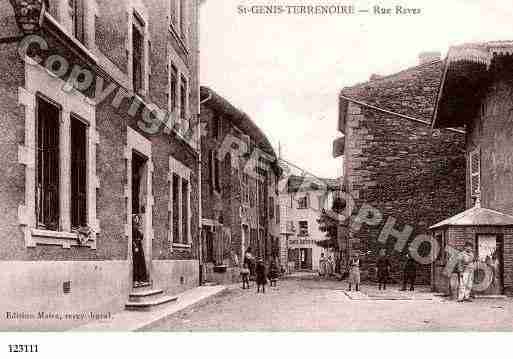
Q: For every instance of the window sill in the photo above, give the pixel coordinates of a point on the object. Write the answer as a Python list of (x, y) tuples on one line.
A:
[(55, 238)]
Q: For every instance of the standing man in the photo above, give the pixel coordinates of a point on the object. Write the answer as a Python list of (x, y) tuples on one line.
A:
[(466, 268), (383, 269), (409, 272)]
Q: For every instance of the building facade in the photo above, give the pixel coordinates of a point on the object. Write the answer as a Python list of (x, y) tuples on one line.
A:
[(100, 115), (302, 200), (476, 93), (395, 165), (239, 190)]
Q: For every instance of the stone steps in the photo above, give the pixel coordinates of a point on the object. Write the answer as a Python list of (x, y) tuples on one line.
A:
[(146, 298)]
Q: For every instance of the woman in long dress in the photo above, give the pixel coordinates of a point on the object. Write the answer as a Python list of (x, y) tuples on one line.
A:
[(261, 275), (322, 265), (140, 272)]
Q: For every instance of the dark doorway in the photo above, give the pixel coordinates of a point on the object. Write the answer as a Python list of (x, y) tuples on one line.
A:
[(139, 239)]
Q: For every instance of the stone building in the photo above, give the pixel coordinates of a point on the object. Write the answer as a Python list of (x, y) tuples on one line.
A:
[(239, 189), (99, 112), (394, 164), (302, 200), (476, 92)]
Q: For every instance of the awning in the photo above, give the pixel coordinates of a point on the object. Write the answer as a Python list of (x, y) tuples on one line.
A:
[(465, 76), (476, 216)]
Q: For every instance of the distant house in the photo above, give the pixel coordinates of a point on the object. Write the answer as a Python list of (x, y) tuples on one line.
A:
[(476, 92), (393, 161), (302, 200), (239, 189)]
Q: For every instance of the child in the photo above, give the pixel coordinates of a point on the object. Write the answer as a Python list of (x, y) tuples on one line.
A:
[(354, 272), (261, 278), (244, 272), (274, 273)]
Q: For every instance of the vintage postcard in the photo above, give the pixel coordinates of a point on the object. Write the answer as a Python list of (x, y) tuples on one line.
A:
[(255, 166)]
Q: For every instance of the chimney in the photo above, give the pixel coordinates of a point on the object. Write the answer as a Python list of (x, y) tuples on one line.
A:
[(429, 56)]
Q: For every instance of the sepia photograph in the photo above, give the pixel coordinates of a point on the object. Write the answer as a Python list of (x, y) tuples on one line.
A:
[(195, 166)]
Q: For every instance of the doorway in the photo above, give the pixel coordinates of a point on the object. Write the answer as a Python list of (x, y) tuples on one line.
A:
[(490, 271), (305, 259), (140, 242)]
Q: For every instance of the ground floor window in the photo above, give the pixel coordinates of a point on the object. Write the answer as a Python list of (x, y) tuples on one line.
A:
[(47, 185), (179, 204), (78, 173)]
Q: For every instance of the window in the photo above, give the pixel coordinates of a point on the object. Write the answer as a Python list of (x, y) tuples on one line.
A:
[(303, 229), (76, 9), (216, 127), (209, 243), (302, 203), (278, 214), (173, 86), (247, 143), (245, 188), (271, 207), (185, 211), (78, 173), (183, 19), (138, 54), (252, 192), (183, 99), (214, 172), (475, 173), (176, 208), (47, 178), (59, 156), (180, 199), (290, 226), (173, 12)]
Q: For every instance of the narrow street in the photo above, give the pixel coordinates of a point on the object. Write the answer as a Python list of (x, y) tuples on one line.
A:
[(309, 304)]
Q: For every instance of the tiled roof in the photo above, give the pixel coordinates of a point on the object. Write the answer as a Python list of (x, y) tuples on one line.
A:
[(477, 216), (411, 92)]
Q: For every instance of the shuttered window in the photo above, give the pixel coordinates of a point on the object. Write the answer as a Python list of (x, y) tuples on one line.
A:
[(47, 177), (475, 173)]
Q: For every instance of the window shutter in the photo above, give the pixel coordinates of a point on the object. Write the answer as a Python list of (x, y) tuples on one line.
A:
[(475, 172)]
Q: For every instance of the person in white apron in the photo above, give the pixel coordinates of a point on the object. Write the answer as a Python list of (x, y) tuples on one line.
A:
[(466, 273)]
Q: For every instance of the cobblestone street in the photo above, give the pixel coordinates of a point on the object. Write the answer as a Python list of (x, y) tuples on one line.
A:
[(310, 304)]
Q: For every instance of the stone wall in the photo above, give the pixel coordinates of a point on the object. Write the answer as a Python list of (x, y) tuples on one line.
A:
[(396, 164)]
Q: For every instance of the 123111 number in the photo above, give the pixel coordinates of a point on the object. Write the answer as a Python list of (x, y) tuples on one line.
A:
[(23, 348)]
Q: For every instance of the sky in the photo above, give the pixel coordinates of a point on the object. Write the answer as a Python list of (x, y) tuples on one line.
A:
[(286, 71)]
